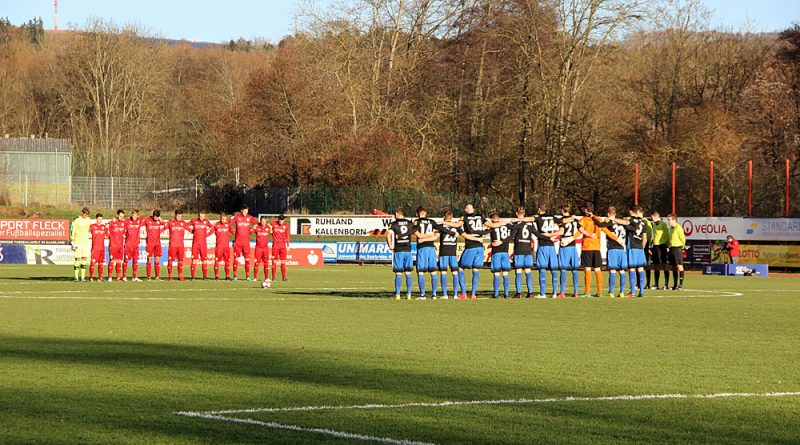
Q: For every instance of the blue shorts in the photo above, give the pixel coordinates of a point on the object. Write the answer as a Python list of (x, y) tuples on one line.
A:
[(617, 259), (472, 258), (636, 258), (426, 260), (448, 261), (523, 261), (402, 262), (501, 262), (568, 258), (546, 258)]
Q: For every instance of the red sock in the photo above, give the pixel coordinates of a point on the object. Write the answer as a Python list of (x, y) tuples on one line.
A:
[(283, 271), (216, 269), (235, 268), (149, 268), (157, 266), (135, 268), (99, 271), (274, 268), (91, 271), (205, 270), (125, 269), (169, 268), (255, 270), (247, 269), (180, 269), (119, 270), (194, 269), (227, 271)]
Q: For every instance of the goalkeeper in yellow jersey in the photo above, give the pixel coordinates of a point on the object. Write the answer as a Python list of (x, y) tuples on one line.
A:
[(81, 243)]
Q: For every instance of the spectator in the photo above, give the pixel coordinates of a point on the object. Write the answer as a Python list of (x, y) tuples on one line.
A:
[(732, 246)]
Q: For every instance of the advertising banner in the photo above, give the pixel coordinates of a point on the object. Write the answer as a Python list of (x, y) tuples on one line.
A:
[(42, 231), (332, 225), (56, 254), (710, 229), (300, 254), (364, 251), (13, 254), (775, 256), (743, 229)]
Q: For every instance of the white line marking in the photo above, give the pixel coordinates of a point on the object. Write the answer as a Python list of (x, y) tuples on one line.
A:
[(19, 297), (502, 402), (218, 415), (282, 426), (188, 289)]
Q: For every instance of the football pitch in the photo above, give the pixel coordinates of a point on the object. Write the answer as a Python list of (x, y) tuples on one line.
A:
[(330, 357)]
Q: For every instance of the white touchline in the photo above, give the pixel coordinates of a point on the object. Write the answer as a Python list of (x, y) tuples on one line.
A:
[(219, 415), (282, 426), (499, 402)]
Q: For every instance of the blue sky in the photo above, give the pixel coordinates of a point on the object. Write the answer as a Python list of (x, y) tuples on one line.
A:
[(219, 21)]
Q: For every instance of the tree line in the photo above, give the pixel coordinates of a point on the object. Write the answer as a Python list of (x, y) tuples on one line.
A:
[(521, 100)]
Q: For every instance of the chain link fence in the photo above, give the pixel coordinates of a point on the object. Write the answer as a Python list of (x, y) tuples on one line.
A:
[(107, 192), (361, 200)]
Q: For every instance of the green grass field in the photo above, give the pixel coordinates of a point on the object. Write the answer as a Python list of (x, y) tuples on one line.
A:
[(114, 363)]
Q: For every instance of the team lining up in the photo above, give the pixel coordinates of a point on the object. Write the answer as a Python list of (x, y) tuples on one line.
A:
[(547, 242), (124, 235)]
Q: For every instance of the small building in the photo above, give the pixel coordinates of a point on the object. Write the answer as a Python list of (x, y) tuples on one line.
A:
[(35, 170)]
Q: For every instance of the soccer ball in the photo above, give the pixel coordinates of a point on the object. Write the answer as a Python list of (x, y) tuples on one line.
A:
[(266, 284)]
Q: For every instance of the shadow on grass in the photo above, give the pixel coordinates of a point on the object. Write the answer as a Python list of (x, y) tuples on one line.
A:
[(386, 294), (206, 378)]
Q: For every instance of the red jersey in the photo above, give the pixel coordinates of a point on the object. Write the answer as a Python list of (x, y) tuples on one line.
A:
[(201, 229), (280, 235), (116, 233), (262, 235), (99, 233), (133, 231), (243, 226), (177, 231), (223, 232), (154, 229)]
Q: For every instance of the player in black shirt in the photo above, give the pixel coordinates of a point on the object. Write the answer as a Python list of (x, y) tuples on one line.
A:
[(399, 239), (474, 229), (500, 235), (617, 257), (426, 251), (636, 231), (568, 259), (448, 259), (524, 234)]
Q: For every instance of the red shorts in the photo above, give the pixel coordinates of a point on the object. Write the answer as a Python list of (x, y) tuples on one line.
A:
[(132, 253), (177, 253), (262, 255), (115, 253), (154, 250), (241, 250), (279, 253), (200, 252), (222, 254), (98, 256)]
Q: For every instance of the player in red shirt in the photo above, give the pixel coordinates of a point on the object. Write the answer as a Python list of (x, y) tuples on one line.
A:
[(99, 232), (201, 229), (177, 251), (154, 225), (116, 245), (280, 246), (222, 251), (133, 236), (262, 231), (241, 243)]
